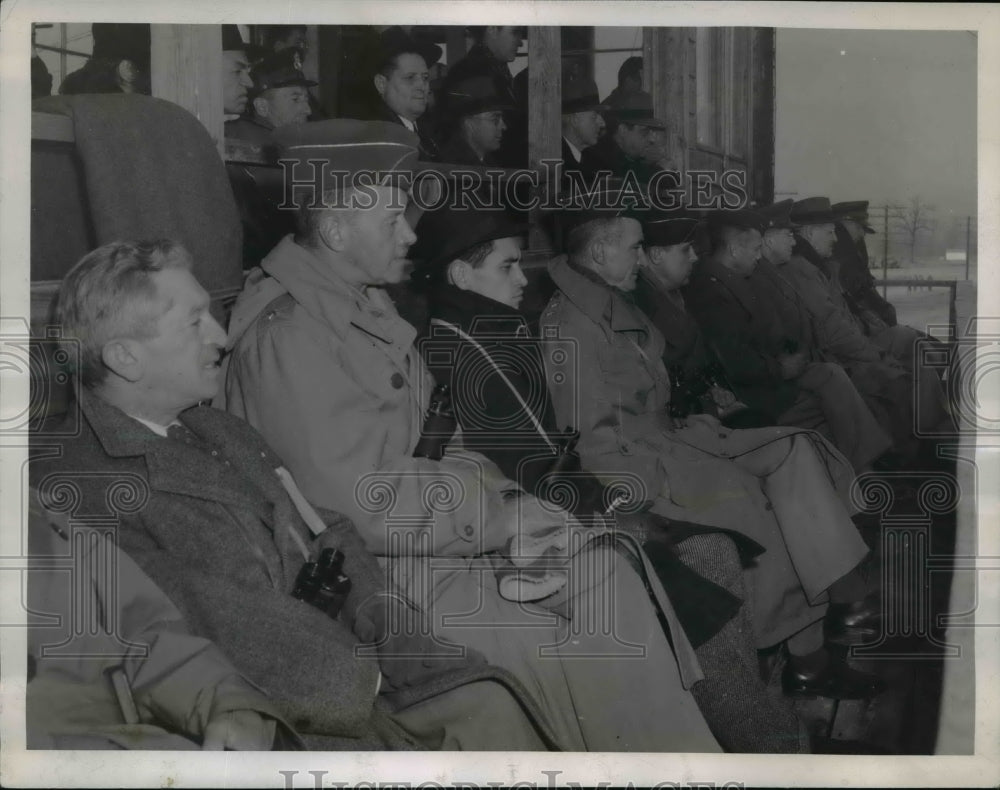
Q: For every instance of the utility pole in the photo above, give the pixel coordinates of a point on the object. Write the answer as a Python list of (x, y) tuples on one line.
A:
[(885, 252), (968, 244)]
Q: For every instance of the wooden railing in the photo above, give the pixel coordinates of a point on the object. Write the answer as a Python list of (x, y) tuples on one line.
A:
[(951, 285)]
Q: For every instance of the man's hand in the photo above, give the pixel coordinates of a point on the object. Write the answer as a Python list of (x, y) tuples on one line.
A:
[(792, 365), (239, 730), (525, 516), (723, 398)]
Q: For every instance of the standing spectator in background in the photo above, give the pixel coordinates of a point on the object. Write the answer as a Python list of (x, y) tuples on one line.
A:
[(41, 79), (278, 38), (494, 49), (629, 88), (280, 97), (236, 82), (119, 63)]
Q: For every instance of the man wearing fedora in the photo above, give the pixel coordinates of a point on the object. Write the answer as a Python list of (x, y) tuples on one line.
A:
[(476, 114), (623, 149), (280, 97), (236, 80), (582, 123), (402, 81)]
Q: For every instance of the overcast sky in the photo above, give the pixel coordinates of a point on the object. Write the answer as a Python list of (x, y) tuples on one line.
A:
[(878, 115)]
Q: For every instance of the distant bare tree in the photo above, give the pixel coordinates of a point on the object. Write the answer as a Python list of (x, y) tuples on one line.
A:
[(916, 217)]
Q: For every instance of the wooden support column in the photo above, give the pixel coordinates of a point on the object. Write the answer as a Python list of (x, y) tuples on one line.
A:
[(664, 52), (186, 69), (544, 111), (762, 101)]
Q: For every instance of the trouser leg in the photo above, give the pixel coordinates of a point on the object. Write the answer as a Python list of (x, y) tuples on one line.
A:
[(743, 715)]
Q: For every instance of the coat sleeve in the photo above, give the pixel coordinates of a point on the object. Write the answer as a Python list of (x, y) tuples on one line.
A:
[(332, 434)]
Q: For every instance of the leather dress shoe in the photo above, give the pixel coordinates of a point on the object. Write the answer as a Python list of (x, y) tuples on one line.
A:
[(837, 681), (852, 623)]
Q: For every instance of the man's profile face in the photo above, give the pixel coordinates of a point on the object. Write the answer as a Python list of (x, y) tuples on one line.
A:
[(485, 130), (671, 266), (499, 276), (180, 363), (286, 105), (745, 246), (821, 237), (379, 237), (236, 81), (623, 256), (633, 139), (504, 42), (406, 90), (588, 126), (854, 229), (778, 245)]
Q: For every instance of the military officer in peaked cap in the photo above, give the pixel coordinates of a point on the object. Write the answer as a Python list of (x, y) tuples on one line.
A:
[(763, 336)]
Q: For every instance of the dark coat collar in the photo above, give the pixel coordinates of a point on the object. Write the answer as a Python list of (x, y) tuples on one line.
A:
[(476, 314), (595, 298)]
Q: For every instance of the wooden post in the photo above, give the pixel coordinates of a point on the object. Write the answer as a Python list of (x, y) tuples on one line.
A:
[(968, 244), (186, 69), (761, 143), (544, 111), (664, 60)]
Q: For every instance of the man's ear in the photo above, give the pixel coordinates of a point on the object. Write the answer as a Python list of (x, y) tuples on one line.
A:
[(597, 252), (334, 230), (128, 74), (458, 274), (121, 356), (261, 108), (380, 84)]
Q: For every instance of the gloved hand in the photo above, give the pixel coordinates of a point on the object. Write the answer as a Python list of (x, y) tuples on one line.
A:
[(401, 633)]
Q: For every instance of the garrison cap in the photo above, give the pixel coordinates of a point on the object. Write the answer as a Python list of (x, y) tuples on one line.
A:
[(604, 199), (384, 152), (445, 233), (856, 210), (281, 70), (668, 228), (812, 211), (777, 215), (580, 95)]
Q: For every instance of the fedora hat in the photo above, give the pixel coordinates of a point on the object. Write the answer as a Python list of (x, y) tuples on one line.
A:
[(812, 211), (474, 95), (580, 95)]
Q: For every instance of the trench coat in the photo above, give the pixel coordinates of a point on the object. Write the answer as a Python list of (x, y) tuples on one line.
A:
[(330, 375), (176, 681), (786, 489), (211, 523)]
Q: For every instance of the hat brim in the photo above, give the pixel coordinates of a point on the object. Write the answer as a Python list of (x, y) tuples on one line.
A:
[(570, 109), (291, 84), (452, 252)]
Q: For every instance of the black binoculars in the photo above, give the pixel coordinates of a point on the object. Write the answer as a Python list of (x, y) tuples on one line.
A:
[(323, 583)]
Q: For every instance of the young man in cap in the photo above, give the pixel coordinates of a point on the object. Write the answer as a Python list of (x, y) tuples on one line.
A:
[(631, 125), (325, 367), (280, 97), (629, 86), (236, 81), (763, 336), (203, 505), (582, 123), (770, 485), (402, 81), (479, 125)]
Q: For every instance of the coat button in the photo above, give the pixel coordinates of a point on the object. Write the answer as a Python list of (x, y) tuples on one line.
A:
[(768, 506), (397, 381), (469, 530)]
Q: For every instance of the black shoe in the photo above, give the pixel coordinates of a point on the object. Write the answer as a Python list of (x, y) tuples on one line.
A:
[(852, 623), (837, 681)]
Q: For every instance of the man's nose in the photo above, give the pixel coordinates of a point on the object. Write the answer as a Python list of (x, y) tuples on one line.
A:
[(215, 334), (406, 234), (245, 80)]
